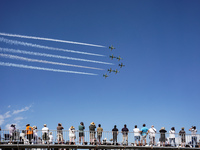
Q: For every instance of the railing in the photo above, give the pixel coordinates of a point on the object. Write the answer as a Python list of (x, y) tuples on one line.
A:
[(20, 137)]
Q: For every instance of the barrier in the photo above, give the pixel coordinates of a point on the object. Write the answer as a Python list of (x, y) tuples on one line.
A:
[(19, 137)]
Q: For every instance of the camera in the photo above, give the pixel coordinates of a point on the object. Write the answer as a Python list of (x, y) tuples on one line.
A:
[(193, 127)]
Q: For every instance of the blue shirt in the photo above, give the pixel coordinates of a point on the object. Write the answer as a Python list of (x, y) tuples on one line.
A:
[(144, 131)]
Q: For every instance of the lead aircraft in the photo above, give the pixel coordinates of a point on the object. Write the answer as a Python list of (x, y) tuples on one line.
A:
[(121, 65)]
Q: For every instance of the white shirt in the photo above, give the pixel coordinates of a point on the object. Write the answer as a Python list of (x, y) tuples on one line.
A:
[(50, 138), (193, 132), (71, 133), (35, 132), (136, 132), (45, 130), (11, 130), (22, 135), (152, 132), (171, 134)]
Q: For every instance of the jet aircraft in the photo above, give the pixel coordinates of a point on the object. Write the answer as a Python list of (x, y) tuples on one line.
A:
[(121, 65), (112, 56), (119, 58), (110, 70), (105, 75), (116, 71), (111, 47)]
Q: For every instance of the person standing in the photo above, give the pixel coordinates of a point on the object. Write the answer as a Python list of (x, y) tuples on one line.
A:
[(45, 134), (182, 134), (125, 134), (136, 131), (193, 134), (115, 133), (99, 133), (35, 135), (12, 130), (60, 133), (81, 128), (152, 135), (29, 133), (162, 136), (72, 135), (199, 143), (172, 136), (144, 133), (0, 134), (92, 132)]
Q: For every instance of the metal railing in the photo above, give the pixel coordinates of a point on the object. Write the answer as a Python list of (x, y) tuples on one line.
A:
[(106, 138)]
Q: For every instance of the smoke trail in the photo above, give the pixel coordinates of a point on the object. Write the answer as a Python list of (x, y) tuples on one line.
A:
[(44, 47), (48, 39), (44, 61), (50, 55), (44, 69)]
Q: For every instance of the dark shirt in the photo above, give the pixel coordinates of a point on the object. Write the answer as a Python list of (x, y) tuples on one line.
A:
[(115, 130), (92, 127), (59, 129), (162, 133), (182, 133), (125, 131)]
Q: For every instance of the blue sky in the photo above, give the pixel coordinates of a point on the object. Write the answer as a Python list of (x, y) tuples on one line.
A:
[(159, 44)]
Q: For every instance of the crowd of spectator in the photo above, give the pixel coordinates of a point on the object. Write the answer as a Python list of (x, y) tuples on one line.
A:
[(30, 135)]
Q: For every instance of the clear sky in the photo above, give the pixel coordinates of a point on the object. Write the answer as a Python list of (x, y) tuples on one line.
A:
[(159, 44)]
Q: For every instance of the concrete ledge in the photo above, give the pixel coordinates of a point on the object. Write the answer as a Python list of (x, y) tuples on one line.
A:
[(22, 146)]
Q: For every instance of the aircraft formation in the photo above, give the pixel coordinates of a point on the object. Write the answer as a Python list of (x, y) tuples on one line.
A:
[(5, 52), (112, 57)]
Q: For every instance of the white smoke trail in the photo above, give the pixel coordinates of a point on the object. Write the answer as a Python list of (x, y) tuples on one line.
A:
[(44, 47), (44, 61), (50, 55), (44, 69), (48, 39)]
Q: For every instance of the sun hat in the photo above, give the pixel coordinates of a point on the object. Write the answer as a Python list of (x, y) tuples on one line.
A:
[(92, 123), (72, 127)]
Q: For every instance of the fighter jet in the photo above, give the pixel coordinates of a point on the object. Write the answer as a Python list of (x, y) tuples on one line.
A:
[(110, 70), (119, 58), (105, 75), (116, 71), (112, 56), (121, 65), (111, 47)]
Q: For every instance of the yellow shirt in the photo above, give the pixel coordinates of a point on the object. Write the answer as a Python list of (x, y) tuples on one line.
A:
[(99, 130)]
